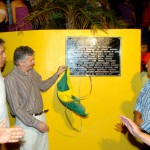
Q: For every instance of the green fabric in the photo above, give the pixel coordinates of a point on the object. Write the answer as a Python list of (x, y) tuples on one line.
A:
[(62, 84), (73, 105)]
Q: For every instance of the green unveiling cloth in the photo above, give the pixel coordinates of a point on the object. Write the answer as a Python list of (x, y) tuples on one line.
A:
[(64, 92)]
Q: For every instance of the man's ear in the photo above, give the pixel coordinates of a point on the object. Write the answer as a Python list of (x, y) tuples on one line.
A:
[(20, 62)]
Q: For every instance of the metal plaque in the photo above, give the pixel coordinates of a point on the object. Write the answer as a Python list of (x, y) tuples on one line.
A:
[(93, 56)]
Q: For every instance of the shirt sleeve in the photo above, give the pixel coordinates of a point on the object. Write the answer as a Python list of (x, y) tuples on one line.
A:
[(146, 126), (143, 97), (44, 85), (139, 103), (17, 108), (142, 106)]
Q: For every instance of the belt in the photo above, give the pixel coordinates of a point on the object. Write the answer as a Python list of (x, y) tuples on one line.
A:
[(40, 113)]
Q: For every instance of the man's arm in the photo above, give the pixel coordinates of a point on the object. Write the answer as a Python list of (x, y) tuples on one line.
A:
[(45, 85), (138, 118), (143, 125), (134, 130)]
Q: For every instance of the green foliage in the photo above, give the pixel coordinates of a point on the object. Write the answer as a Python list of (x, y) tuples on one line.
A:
[(74, 14)]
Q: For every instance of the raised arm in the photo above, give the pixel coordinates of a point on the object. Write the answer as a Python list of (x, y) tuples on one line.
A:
[(138, 118)]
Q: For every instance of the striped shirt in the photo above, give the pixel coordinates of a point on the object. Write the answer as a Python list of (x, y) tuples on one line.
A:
[(24, 94), (143, 106)]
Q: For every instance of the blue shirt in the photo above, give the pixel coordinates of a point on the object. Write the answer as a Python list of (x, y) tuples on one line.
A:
[(143, 106)]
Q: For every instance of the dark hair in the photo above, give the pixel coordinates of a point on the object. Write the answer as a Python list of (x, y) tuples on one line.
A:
[(144, 42), (2, 41), (21, 52)]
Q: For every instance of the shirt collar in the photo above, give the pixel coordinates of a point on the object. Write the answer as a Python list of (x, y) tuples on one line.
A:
[(20, 71)]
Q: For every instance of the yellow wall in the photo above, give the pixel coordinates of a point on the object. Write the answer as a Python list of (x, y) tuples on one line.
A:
[(110, 97)]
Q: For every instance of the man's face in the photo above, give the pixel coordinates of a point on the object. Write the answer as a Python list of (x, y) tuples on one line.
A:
[(2, 56), (144, 48), (28, 63)]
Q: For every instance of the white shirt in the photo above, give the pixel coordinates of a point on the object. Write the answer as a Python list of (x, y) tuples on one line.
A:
[(3, 104)]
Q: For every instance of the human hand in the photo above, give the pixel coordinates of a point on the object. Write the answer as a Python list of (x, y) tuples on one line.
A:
[(61, 69), (132, 127), (10, 135), (43, 127)]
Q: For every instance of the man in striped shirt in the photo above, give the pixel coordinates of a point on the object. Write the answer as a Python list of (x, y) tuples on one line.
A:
[(23, 87), (142, 107)]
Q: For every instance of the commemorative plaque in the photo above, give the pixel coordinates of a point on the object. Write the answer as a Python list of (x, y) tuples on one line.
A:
[(93, 56)]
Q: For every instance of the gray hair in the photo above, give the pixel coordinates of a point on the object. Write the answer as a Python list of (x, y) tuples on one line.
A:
[(21, 53)]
